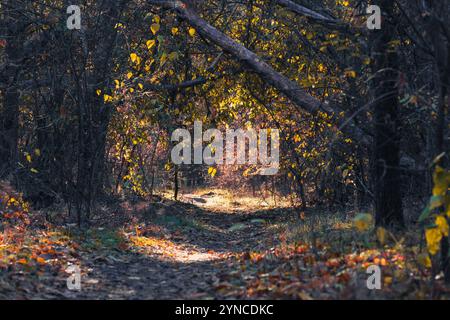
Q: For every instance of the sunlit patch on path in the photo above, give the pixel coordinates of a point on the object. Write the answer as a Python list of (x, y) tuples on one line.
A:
[(171, 251), (223, 201)]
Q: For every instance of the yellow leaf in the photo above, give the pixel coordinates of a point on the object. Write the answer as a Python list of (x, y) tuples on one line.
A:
[(363, 221), (174, 31), (192, 32), (28, 156), (156, 19), (155, 28), (99, 92), (163, 59), (107, 98), (442, 225), (150, 44), (424, 260), (33, 170), (117, 83), (441, 179), (350, 74), (131, 90), (141, 86), (433, 237), (173, 55), (133, 57), (212, 171), (37, 152), (129, 75), (381, 235)]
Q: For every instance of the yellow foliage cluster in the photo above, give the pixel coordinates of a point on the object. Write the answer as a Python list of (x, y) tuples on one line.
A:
[(13, 209), (440, 199), (363, 222)]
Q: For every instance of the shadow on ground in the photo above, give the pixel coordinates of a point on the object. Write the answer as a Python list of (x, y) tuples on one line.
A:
[(186, 249)]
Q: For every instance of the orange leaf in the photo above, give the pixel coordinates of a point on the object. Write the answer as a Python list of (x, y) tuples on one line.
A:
[(40, 260)]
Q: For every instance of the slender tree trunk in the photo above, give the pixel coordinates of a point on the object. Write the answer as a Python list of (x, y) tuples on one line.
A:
[(440, 145), (175, 183), (13, 25), (94, 114), (386, 175)]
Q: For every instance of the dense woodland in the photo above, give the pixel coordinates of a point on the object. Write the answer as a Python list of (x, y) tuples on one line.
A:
[(86, 118)]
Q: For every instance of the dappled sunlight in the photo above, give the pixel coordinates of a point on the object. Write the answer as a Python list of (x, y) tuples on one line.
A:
[(252, 254), (166, 250), (185, 149), (227, 201)]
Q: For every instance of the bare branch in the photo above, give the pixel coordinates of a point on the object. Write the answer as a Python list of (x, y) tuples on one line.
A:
[(301, 10)]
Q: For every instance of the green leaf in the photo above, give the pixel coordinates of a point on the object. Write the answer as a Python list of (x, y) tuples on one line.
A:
[(436, 202), (425, 214), (237, 227)]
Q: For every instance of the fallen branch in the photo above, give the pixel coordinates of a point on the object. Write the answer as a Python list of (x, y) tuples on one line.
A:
[(302, 99)]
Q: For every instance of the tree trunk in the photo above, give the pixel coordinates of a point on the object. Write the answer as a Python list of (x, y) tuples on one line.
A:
[(386, 174), (441, 51), (175, 183), (94, 114), (13, 25)]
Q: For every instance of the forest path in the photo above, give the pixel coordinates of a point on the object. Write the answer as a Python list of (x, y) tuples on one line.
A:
[(182, 250), (206, 246)]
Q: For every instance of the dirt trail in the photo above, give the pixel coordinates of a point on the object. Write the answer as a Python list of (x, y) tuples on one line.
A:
[(188, 262)]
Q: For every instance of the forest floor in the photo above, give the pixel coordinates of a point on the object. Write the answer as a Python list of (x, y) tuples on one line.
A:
[(210, 245)]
